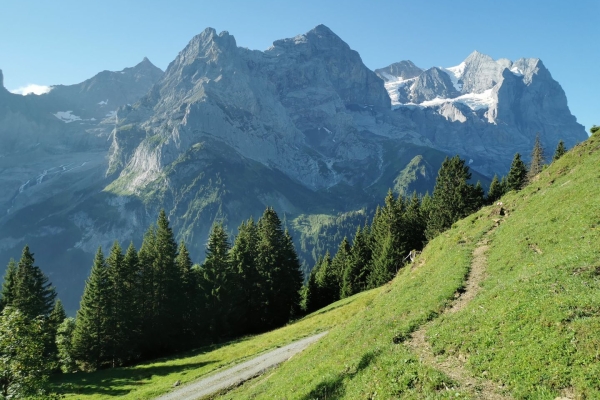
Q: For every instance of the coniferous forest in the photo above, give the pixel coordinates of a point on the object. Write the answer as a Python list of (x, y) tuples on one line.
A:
[(140, 304)]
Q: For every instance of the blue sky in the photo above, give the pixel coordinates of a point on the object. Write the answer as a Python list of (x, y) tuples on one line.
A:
[(53, 42)]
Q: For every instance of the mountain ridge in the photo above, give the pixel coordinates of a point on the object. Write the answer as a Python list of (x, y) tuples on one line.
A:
[(225, 131)]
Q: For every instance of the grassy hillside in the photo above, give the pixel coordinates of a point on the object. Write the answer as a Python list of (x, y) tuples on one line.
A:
[(149, 380), (532, 330)]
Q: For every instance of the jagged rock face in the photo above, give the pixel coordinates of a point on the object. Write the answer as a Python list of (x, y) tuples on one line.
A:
[(399, 71), (429, 85), (306, 106), (486, 110)]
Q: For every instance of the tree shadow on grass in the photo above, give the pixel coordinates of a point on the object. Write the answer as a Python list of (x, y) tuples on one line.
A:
[(117, 381), (333, 388)]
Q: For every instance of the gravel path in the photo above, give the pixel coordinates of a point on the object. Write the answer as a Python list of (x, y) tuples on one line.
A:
[(240, 373)]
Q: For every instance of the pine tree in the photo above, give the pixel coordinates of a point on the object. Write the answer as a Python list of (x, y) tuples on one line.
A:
[(390, 240), (415, 223), (278, 263), (34, 294), (215, 280), (56, 317), (358, 266), (121, 278), (314, 293), (167, 284), (335, 270), (191, 320), (560, 151), (132, 323), (291, 280), (145, 292), (251, 300), (496, 190), (89, 337), (537, 159), (517, 176), (9, 285), (453, 197)]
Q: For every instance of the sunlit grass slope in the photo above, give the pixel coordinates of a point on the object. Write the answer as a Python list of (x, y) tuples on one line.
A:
[(149, 380), (535, 326), (366, 357), (533, 329)]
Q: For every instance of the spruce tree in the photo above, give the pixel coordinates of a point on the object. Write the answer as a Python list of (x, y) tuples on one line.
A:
[(560, 151), (132, 324), (496, 190), (122, 319), (390, 240), (56, 317), (167, 293), (90, 347), (291, 280), (278, 263), (145, 292), (537, 159), (358, 266), (314, 291), (415, 223), (335, 270), (191, 320), (9, 285), (215, 280), (251, 300), (517, 176), (453, 197), (34, 294)]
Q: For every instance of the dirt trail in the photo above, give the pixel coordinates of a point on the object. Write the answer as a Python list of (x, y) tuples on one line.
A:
[(454, 367), (240, 373)]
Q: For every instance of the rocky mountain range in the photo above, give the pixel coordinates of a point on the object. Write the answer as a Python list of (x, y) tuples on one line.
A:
[(225, 131)]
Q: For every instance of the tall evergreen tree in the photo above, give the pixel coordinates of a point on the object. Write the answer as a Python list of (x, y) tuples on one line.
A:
[(131, 298), (496, 190), (90, 347), (121, 278), (56, 317), (537, 159), (415, 223), (291, 280), (216, 274), (278, 263), (9, 285), (453, 197), (167, 293), (390, 240), (252, 280), (145, 293), (191, 320), (319, 287), (517, 176), (34, 294), (560, 151), (358, 266), (335, 270)]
